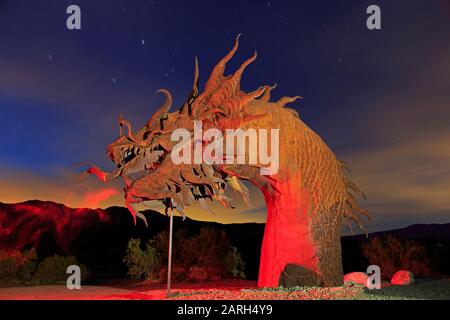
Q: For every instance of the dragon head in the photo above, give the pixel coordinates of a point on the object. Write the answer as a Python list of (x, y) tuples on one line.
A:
[(138, 152), (144, 158)]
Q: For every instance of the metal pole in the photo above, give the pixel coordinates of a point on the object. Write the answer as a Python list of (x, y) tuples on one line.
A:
[(169, 266)]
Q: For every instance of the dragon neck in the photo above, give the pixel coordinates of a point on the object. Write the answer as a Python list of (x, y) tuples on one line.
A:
[(288, 236)]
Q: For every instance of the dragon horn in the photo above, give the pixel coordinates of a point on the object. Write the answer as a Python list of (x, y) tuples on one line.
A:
[(216, 76), (196, 78), (120, 124), (185, 108), (163, 109), (236, 78), (123, 122), (219, 69)]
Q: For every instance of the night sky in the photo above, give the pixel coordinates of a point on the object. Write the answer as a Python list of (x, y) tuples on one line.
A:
[(380, 99)]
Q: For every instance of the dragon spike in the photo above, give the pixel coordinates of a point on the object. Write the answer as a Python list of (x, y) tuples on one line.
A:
[(177, 198), (244, 100), (216, 77), (163, 109), (120, 124), (351, 185), (185, 109), (131, 209), (257, 93), (178, 208), (141, 216), (219, 69), (285, 100), (188, 198), (225, 201), (241, 188), (349, 226), (266, 96), (238, 74), (123, 122), (196, 78)]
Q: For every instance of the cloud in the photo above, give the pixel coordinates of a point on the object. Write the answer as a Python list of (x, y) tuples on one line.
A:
[(94, 199), (411, 176), (404, 167), (64, 186), (17, 185)]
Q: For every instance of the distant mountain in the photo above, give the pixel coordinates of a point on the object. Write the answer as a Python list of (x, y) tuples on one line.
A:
[(417, 232), (98, 237)]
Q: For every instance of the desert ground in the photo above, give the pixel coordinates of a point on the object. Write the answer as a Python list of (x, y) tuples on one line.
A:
[(227, 290)]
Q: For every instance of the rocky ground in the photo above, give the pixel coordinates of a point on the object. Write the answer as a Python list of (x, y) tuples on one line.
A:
[(229, 290)]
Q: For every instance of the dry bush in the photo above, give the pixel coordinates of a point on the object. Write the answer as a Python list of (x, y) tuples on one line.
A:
[(54, 270), (392, 254), (205, 256), (141, 263), (17, 267)]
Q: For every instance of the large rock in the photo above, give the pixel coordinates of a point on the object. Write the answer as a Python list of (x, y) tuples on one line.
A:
[(297, 276), (356, 277), (402, 278)]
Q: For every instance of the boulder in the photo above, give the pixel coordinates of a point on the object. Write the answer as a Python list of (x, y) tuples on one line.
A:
[(356, 277), (402, 278), (297, 276)]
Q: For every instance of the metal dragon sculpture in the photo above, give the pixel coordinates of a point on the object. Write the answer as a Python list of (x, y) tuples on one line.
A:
[(307, 201)]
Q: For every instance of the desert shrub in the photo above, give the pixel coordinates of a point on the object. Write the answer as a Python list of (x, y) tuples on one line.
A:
[(17, 267), (208, 249), (23, 268), (206, 255), (161, 242), (180, 264), (54, 269), (141, 264), (234, 263), (392, 254)]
